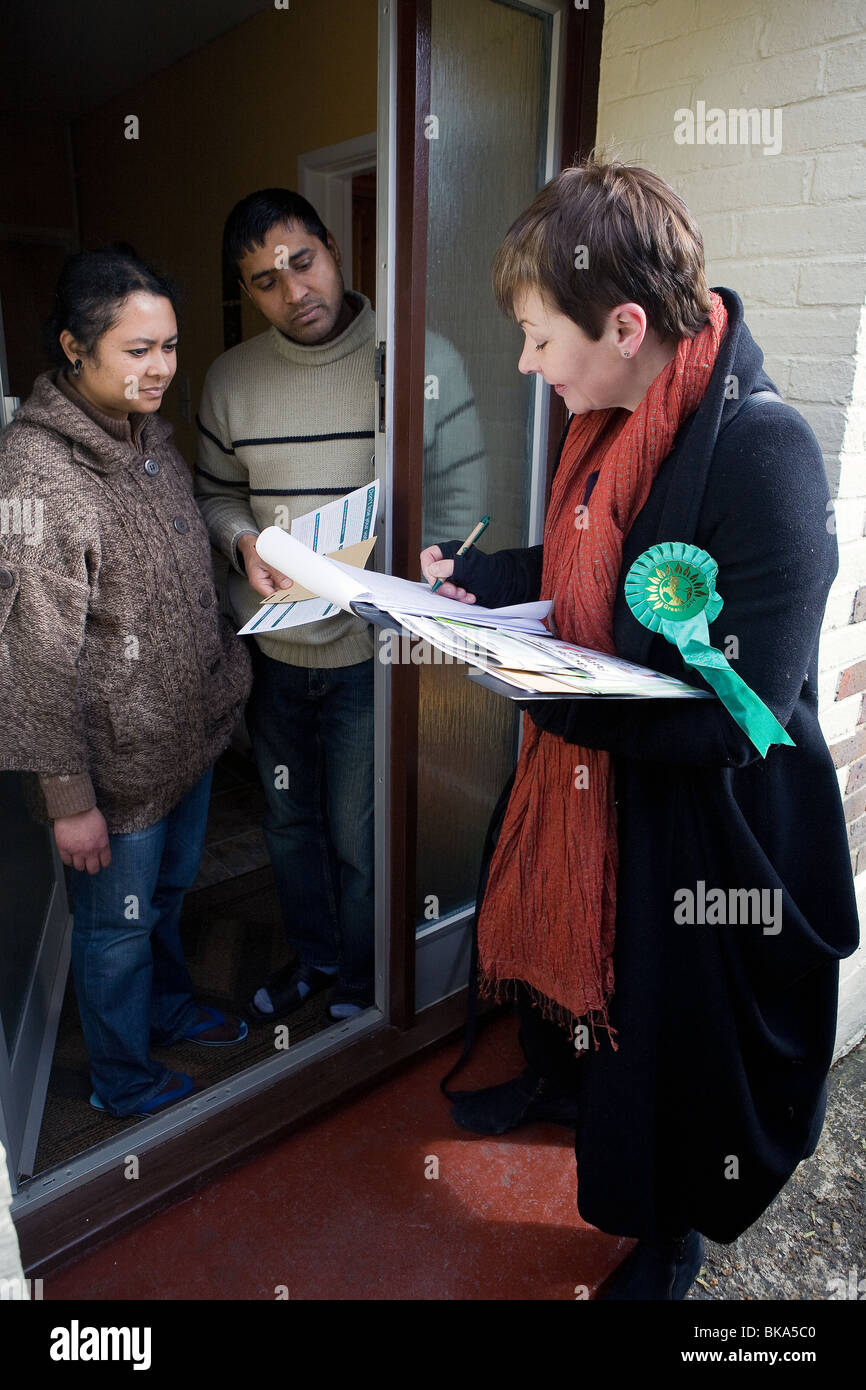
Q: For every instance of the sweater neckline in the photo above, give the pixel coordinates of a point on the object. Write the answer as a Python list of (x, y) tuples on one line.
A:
[(126, 431), (359, 331), (50, 408)]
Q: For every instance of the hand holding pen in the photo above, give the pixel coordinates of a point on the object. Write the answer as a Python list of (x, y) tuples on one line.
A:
[(436, 569)]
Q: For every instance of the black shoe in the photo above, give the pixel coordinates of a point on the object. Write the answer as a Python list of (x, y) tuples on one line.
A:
[(526, 1099), (664, 1269)]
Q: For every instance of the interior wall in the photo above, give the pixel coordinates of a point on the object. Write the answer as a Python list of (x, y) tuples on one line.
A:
[(37, 230), (232, 117)]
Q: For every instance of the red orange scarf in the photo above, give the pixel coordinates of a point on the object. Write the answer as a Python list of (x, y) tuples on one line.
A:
[(550, 906)]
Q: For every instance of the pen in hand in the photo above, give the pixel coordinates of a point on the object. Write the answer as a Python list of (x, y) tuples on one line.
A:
[(470, 540)]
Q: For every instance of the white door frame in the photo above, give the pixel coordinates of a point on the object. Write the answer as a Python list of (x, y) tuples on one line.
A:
[(325, 180), (8, 403)]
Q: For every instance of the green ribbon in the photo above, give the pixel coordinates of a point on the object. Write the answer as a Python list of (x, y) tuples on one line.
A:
[(671, 589)]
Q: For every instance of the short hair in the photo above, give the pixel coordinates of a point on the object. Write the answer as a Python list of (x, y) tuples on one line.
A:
[(92, 290), (250, 220), (602, 234)]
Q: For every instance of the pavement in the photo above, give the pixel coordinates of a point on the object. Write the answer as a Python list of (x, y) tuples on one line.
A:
[(810, 1243)]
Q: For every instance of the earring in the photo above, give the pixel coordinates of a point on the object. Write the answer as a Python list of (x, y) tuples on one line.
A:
[(76, 367), (626, 354)]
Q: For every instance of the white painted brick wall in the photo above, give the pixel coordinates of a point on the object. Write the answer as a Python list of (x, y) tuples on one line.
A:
[(852, 563), (839, 606), (787, 231), (840, 717)]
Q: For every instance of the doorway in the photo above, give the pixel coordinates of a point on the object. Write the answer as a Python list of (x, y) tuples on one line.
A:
[(156, 162), (340, 181), (448, 409)]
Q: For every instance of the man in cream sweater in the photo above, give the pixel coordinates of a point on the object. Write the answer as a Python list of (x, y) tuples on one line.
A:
[(286, 424)]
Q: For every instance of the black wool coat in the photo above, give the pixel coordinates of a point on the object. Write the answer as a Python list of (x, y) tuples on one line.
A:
[(725, 1032)]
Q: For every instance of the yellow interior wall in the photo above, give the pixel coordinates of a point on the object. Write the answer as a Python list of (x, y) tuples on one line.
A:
[(228, 119)]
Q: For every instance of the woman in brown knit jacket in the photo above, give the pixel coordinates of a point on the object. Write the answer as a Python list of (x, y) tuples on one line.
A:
[(123, 679)]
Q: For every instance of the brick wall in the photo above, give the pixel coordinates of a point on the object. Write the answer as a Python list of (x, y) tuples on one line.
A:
[(787, 232)]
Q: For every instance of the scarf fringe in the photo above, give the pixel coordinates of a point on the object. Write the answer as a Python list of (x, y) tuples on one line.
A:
[(504, 991)]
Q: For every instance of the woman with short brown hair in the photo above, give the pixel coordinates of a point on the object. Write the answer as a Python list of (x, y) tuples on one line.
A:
[(703, 1045)]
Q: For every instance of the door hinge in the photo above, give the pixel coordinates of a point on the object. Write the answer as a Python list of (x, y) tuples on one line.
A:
[(380, 381)]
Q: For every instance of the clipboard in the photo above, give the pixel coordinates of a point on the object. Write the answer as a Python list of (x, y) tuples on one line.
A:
[(513, 692), (504, 688)]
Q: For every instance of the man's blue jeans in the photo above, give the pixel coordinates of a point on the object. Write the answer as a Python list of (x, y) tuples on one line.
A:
[(312, 734), (131, 979)]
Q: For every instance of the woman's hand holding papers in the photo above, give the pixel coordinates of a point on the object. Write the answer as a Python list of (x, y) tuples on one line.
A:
[(433, 567)]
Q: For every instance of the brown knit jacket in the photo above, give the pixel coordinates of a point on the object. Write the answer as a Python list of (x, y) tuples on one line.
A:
[(115, 662)]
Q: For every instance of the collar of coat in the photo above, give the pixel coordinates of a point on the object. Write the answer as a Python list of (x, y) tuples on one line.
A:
[(51, 410), (738, 372)]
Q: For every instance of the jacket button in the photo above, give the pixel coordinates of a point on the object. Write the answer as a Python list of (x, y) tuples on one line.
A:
[(7, 579), (181, 525), (151, 466), (205, 598), (214, 666)]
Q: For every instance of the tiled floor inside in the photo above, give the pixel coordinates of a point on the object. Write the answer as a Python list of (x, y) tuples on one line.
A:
[(351, 1207)]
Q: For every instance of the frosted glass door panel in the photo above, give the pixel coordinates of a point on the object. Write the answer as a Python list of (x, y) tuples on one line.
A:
[(489, 83)]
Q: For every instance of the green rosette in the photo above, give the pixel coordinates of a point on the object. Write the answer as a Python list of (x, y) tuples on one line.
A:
[(671, 589)]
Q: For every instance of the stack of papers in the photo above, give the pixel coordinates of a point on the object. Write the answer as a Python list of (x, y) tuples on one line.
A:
[(509, 648), (344, 525), (543, 665), (343, 586)]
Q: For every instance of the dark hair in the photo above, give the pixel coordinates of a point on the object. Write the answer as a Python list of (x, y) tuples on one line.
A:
[(92, 290), (250, 220), (603, 234)]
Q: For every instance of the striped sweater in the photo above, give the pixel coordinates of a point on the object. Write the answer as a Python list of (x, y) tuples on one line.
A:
[(283, 428)]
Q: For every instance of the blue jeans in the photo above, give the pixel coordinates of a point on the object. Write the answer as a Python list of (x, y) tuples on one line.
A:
[(131, 979), (312, 735)]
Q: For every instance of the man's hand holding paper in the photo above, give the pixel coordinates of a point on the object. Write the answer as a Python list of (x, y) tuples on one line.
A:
[(262, 577)]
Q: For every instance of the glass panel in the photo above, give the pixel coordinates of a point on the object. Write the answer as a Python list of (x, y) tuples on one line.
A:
[(490, 72), (27, 875)]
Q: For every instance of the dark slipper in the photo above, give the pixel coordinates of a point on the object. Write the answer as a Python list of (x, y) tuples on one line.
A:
[(284, 993), (342, 999), (212, 1020)]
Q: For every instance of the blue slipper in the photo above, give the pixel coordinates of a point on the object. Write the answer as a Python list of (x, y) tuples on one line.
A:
[(157, 1102), (216, 1018)]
